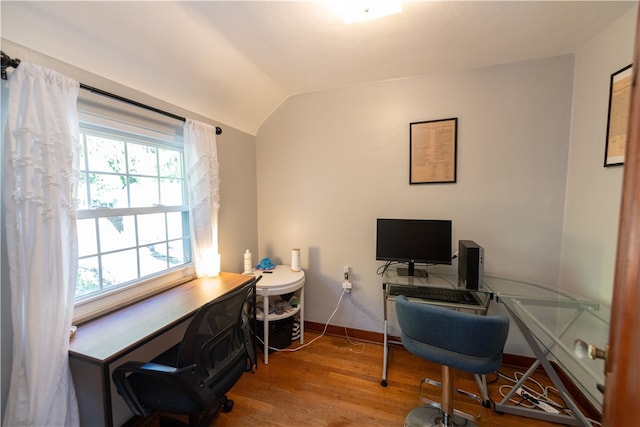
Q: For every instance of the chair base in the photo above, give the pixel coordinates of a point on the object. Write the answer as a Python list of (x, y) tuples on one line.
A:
[(456, 412), (425, 416), (198, 420)]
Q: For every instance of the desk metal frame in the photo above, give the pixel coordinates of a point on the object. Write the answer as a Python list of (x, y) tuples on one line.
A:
[(519, 298), (520, 315)]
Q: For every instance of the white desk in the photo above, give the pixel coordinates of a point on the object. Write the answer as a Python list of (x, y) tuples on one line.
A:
[(279, 281)]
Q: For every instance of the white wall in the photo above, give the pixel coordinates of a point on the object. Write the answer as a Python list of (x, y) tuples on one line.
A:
[(330, 163), (592, 209)]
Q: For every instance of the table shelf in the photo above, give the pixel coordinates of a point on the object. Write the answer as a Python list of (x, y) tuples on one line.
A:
[(290, 311)]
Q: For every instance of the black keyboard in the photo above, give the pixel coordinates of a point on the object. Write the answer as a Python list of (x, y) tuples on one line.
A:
[(455, 296)]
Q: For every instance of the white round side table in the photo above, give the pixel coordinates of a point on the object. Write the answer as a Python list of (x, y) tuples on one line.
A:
[(279, 281)]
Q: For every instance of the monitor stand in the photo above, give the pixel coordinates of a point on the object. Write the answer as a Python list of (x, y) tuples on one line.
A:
[(411, 271)]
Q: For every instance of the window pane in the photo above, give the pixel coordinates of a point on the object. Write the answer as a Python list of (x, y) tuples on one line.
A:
[(87, 241), (82, 191), (108, 191), (153, 258), (171, 192), (151, 228), (177, 254), (144, 192), (88, 281), (117, 232), (119, 267), (177, 225), (105, 155), (119, 170), (170, 163), (142, 159)]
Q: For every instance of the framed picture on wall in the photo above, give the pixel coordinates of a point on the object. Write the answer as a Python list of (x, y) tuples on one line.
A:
[(433, 146), (617, 121)]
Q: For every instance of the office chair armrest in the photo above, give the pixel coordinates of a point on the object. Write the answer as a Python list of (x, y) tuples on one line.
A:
[(179, 376), (124, 388)]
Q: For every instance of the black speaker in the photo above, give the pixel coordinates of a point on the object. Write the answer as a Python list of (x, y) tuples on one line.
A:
[(470, 265)]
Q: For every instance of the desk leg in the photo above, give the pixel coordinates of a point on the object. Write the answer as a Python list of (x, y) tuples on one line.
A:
[(254, 328), (93, 390), (385, 356), (385, 350), (265, 334), (301, 312)]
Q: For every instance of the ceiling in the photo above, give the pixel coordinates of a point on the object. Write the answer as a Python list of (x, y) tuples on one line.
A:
[(237, 61)]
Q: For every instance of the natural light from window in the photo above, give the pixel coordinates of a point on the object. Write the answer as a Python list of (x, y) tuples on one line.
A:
[(133, 219)]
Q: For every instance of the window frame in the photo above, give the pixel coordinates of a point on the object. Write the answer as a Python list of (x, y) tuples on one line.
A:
[(95, 304)]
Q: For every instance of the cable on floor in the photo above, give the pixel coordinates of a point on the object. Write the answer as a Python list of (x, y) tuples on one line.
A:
[(533, 396), (346, 334)]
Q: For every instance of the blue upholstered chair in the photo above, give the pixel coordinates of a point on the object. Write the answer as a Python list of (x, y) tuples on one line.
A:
[(468, 342)]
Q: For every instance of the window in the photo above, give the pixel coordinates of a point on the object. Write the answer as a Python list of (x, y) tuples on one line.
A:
[(133, 214)]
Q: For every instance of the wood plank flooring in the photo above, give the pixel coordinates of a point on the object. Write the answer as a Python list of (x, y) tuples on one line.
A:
[(336, 383)]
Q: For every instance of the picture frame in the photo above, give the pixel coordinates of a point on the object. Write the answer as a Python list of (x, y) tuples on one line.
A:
[(618, 116), (433, 147)]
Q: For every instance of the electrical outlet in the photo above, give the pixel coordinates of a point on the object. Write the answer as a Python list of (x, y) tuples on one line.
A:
[(346, 282)]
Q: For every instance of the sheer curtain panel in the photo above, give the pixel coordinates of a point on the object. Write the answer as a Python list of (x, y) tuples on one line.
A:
[(41, 149), (203, 181)]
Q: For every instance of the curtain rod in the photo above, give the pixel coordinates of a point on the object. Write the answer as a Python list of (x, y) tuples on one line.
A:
[(14, 62)]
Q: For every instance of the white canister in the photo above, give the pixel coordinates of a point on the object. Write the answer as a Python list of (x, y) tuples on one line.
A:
[(295, 259), (248, 265)]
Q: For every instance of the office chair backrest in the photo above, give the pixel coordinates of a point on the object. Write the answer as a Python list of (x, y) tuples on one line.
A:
[(215, 338), (462, 340), (194, 376)]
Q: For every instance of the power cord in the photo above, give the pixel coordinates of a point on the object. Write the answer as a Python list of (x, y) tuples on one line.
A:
[(540, 398), (378, 321), (530, 397), (346, 334)]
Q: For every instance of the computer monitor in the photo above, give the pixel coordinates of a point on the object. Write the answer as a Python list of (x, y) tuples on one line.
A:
[(413, 241)]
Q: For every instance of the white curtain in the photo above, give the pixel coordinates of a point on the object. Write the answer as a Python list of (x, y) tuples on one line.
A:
[(40, 179), (201, 159)]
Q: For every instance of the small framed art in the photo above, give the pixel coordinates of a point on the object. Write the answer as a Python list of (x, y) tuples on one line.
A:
[(617, 121), (433, 150)]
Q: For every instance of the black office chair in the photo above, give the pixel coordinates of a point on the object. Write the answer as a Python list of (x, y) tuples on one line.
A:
[(194, 376), (453, 339)]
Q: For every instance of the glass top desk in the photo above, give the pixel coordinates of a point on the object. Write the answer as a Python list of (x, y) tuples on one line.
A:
[(550, 321), (394, 285)]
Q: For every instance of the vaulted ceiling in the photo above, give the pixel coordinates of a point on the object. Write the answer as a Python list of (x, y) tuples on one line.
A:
[(237, 61)]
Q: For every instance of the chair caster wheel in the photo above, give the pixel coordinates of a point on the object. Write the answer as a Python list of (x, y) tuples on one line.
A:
[(227, 406)]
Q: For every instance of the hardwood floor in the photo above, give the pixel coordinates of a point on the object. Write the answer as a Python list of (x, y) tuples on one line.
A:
[(334, 383)]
